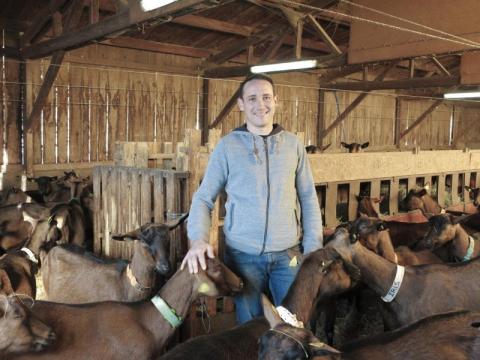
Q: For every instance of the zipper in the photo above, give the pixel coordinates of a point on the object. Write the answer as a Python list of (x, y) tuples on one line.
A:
[(265, 144)]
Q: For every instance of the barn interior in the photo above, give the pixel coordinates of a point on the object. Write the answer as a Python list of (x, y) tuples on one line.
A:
[(136, 100)]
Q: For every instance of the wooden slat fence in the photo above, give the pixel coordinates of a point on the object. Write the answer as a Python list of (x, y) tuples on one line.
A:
[(126, 198)]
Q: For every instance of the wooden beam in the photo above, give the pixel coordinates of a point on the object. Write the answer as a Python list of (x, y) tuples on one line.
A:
[(411, 65), (298, 42), (421, 118), (353, 105), (94, 11), (323, 34), (396, 84), (41, 19), (148, 45), (244, 70), (240, 45), (274, 46), (442, 68), (73, 18), (340, 73), (226, 109), (205, 111), (113, 24), (10, 53), (206, 23)]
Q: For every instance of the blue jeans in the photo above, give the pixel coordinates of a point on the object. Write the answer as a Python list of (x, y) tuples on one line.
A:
[(268, 273)]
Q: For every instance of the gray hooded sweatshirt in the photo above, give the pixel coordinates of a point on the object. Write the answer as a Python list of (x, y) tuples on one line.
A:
[(270, 193)]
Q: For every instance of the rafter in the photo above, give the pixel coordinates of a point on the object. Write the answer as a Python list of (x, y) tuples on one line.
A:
[(323, 34), (421, 118), (206, 23), (155, 46), (113, 24), (442, 68), (353, 105), (240, 45), (41, 19), (395, 84)]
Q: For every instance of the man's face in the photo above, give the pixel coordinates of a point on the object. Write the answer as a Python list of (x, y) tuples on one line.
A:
[(258, 104)]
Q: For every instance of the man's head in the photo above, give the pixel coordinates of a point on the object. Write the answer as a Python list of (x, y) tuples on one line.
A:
[(258, 101)]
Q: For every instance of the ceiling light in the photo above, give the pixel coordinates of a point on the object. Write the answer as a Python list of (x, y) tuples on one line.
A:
[(148, 5), (293, 65), (462, 95)]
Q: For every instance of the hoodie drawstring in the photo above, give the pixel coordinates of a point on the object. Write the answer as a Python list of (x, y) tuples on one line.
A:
[(255, 151)]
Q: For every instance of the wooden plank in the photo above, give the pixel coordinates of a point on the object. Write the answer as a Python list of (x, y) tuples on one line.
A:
[(331, 205), (61, 114), (441, 190), (393, 199), (415, 83), (422, 117), (323, 34), (352, 200), (136, 199), (115, 188), (455, 182), (107, 249), (159, 200), (98, 210), (146, 198)]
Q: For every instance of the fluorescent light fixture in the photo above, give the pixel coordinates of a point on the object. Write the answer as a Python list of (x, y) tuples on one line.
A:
[(293, 65), (148, 5), (462, 95)]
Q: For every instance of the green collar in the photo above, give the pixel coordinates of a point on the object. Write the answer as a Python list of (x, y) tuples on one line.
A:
[(471, 247), (167, 312)]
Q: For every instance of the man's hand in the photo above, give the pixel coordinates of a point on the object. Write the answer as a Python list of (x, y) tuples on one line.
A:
[(196, 255)]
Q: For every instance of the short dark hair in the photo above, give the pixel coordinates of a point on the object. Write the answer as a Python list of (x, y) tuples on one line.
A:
[(255, 77)]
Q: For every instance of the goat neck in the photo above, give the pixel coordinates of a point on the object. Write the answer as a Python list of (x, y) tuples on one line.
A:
[(303, 292), (461, 242), (179, 293), (377, 272), (142, 269)]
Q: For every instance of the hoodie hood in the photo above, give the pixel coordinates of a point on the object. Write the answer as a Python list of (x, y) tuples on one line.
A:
[(276, 129)]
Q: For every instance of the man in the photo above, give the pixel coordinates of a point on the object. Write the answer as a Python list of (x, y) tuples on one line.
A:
[(270, 193)]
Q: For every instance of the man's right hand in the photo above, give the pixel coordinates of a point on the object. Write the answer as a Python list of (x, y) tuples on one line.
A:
[(196, 254)]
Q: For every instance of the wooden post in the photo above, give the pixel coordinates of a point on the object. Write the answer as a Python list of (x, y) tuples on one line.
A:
[(393, 198), (331, 205), (352, 200), (455, 199), (441, 189)]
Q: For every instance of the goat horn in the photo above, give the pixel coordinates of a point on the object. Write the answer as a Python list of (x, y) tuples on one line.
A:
[(175, 223)]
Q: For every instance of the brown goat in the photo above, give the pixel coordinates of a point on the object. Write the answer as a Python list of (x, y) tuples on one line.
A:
[(320, 276), (73, 276), (20, 274), (444, 229), (447, 336), (419, 199), (401, 233), (380, 243), (115, 330), (436, 288), (20, 331)]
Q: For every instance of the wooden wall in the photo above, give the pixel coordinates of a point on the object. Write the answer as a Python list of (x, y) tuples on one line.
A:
[(105, 94)]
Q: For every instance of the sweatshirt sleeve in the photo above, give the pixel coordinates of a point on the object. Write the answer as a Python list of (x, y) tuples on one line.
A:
[(307, 195), (203, 200)]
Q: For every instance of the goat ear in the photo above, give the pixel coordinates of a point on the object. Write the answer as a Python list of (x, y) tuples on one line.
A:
[(358, 197), (344, 144), (135, 234), (270, 313), (5, 284), (177, 222), (422, 192), (326, 147), (468, 188), (363, 215), (365, 145), (320, 349)]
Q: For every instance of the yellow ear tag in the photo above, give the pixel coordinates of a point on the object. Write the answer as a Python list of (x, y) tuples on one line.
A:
[(203, 288), (293, 262)]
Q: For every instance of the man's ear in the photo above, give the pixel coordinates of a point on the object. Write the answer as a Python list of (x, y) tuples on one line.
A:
[(240, 104)]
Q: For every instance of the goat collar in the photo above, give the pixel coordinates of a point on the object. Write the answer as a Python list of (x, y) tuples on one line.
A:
[(167, 312), (30, 255), (296, 340), (288, 317), (133, 280), (471, 247), (397, 283)]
